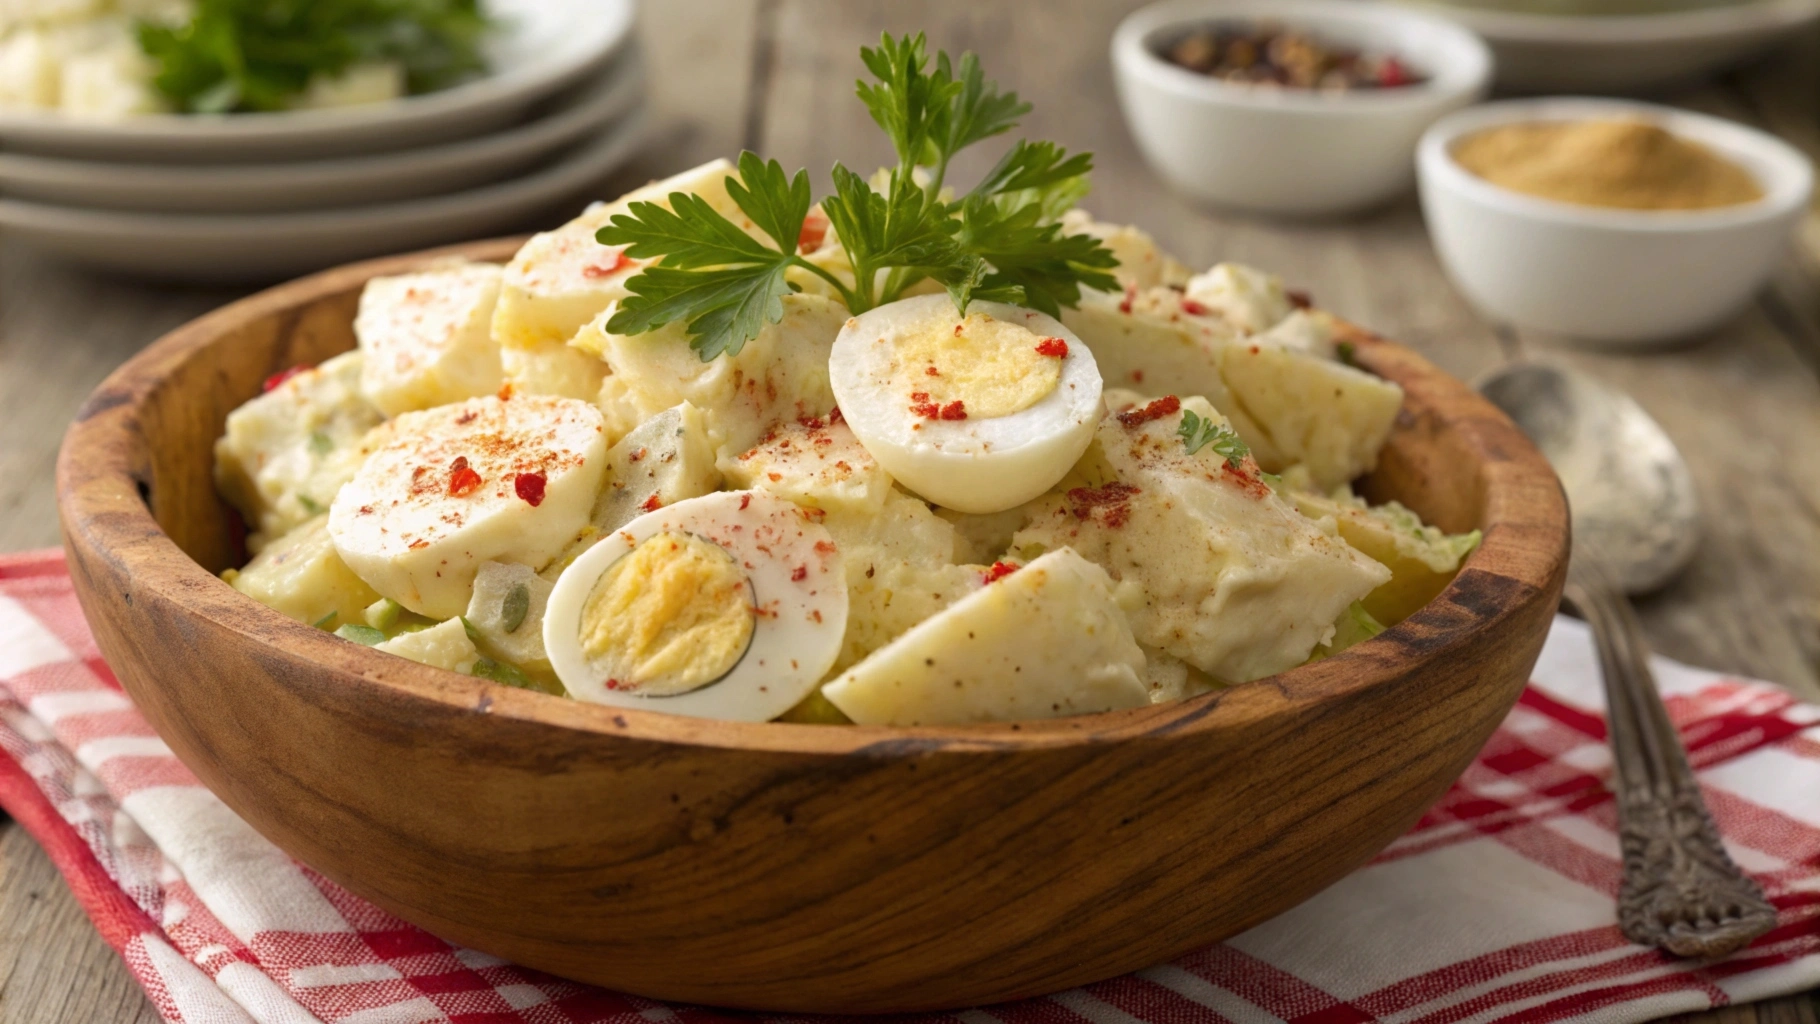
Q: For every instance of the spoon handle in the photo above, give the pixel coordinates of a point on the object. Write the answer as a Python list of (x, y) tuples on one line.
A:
[(1680, 892)]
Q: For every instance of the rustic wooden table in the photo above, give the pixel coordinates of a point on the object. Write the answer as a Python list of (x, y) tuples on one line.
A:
[(777, 76)]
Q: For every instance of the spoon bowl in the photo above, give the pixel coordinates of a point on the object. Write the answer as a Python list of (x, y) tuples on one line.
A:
[(1628, 488)]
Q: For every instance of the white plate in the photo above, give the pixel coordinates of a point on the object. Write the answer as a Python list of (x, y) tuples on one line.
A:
[(318, 184), (260, 247), (545, 46), (1633, 53)]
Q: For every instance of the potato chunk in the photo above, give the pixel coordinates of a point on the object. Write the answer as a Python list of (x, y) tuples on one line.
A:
[(1147, 342), (814, 463), (553, 368), (1142, 263), (427, 337), (1422, 560), (1219, 571), (445, 645), (301, 575), (1044, 642), (506, 614), (665, 459), (778, 377), (900, 566), (1248, 299), (1314, 410), (562, 279), (285, 453)]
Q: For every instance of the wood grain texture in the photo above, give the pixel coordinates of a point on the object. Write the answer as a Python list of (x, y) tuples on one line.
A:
[(783, 867), (61, 331)]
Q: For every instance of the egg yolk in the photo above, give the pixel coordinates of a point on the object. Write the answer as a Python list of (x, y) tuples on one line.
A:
[(991, 366), (672, 615)]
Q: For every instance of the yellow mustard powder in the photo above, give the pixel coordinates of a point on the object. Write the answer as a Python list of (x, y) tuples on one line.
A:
[(1629, 164)]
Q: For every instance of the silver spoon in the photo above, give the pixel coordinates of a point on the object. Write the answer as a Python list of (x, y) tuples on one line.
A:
[(1635, 525)]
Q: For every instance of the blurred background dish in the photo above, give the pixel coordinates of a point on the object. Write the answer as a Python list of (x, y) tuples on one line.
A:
[(1624, 276), (1268, 147), (540, 48), (259, 247), (1620, 46), (593, 107)]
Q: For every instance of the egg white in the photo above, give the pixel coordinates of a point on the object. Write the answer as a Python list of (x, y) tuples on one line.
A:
[(975, 465), (797, 630)]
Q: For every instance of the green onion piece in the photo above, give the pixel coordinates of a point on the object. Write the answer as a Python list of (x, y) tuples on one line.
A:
[(325, 621), (310, 505), (502, 672), (469, 628), (366, 635), (383, 613), (1346, 351), (321, 443), (515, 607)]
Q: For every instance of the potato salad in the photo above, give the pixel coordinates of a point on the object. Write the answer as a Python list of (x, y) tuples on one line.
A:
[(716, 450)]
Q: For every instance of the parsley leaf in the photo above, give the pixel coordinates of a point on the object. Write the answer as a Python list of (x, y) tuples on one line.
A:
[(1028, 254), (725, 307), (999, 243), (243, 55), (1197, 433)]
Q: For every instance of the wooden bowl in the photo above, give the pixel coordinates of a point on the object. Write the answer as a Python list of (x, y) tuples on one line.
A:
[(771, 866)]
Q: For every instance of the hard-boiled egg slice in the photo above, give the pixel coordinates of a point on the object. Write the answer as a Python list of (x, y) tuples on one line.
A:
[(482, 480), (728, 606), (978, 413)]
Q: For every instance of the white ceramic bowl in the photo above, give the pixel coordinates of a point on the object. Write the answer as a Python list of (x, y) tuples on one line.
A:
[(339, 182), (544, 47), (1627, 53), (1286, 151), (1601, 274)]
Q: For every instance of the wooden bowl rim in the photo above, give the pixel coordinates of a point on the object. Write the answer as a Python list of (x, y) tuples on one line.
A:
[(100, 507)]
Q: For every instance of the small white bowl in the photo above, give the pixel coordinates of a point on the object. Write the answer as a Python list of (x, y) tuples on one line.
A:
[(1609, 275), (1288, 151)]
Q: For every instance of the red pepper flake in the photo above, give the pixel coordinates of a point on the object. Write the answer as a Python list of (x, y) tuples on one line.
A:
[(596, 271), (920, 405), (1113, 497), (272, 382), (1168, 405), (810, 422), (813, 234), (1052, 347), (1393, 73), (932, 371), (419, 543), (955, 410), (834, 415), (957, 329), (463, 481), (1137, 376), (823, 547), (1193, 308), (652, 504), (1130, 296), (998, 571), (530, 487), (468, 416), (799, 574), (612, 684), (774, 477), (1298, 299), (637, 454), (505, 392), (744, 500)]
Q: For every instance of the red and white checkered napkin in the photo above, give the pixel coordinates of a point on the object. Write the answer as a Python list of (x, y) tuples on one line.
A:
[(1497, 906)]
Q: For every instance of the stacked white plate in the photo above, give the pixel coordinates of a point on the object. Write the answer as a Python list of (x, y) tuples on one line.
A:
[(247, 197)]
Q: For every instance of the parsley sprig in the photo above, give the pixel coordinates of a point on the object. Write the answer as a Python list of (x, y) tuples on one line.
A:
[(998, 242), (1197, 433)]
